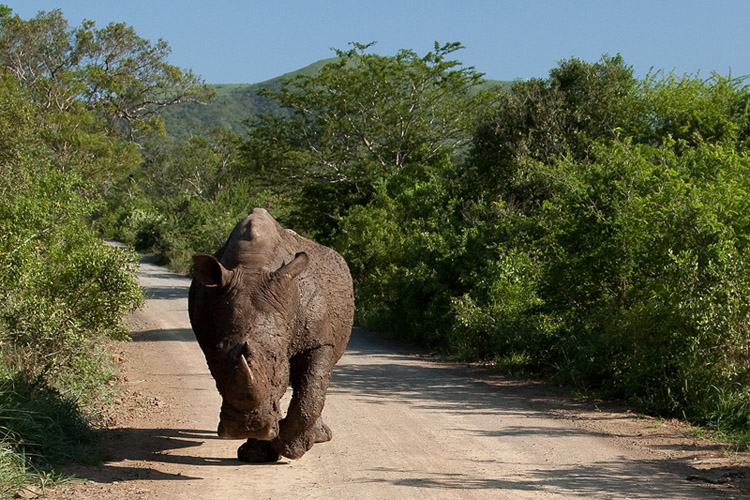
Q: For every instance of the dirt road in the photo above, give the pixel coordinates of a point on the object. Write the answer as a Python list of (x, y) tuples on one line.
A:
[(405, 427)]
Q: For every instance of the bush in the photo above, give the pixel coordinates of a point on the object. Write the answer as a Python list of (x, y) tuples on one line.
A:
[(498, 314), (63, 293), (399, 250), (612, 254), (174, 229), (644, 273)]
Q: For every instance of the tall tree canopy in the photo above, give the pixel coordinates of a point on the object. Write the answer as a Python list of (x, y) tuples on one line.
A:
[(362, 118), (111, 70)]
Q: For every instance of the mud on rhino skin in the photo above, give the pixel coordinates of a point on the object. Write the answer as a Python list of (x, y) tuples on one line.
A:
[(271, 309)]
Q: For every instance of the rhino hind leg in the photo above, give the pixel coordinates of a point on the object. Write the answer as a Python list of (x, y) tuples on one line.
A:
[(257, 451)]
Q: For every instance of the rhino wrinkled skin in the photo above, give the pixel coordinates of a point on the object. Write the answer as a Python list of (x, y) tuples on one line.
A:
[(271, 309)]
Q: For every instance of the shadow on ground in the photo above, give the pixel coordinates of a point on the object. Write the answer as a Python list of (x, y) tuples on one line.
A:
[(390, 375), (164, 335), (394, 375), (623, 479), (133, 454)]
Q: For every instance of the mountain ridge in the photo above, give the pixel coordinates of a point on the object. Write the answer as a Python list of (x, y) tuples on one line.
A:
[(235, 104)]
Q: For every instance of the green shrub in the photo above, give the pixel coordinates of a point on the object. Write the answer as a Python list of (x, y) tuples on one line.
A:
[(646, 271), (616, 259), (62, 293), (498, 314)]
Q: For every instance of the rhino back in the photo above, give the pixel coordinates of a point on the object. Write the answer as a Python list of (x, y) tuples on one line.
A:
[(326, 307)]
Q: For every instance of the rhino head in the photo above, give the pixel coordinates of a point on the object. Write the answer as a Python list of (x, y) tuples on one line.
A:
[(246, 335)]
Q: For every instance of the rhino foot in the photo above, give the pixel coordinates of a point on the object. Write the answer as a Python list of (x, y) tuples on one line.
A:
[(321, 432), (294, 449), (257, 451)]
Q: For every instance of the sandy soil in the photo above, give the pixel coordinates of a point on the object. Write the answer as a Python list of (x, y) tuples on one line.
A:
[(405, 426)]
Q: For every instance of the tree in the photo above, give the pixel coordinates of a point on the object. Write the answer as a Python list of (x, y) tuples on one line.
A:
[(540, 120), (110, 70), (695, 110), (362, 118), (199, 167)]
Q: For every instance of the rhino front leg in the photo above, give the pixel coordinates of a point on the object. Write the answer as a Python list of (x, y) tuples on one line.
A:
[(302, 427)]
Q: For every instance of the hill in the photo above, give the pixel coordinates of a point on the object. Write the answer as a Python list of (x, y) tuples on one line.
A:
[(234, 104)]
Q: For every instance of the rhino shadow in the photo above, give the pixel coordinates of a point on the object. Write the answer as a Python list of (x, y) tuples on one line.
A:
[(154, 447)]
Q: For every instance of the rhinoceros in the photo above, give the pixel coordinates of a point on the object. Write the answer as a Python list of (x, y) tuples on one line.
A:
[(271, 309)]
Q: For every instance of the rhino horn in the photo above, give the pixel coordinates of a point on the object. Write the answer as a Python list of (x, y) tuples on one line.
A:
[(247, 371), (244, 374)]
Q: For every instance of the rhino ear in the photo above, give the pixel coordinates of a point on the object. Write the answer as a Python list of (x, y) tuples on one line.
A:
[(294, 268), (208, 271)]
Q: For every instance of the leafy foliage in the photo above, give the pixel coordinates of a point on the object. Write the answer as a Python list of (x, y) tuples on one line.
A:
[(70, 100), (185, 198), (539, 120), (644, 271), (639, 250), (362, 118), (111, 70)]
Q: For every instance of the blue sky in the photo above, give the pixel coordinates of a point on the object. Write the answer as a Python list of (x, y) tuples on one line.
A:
[(247, 41)]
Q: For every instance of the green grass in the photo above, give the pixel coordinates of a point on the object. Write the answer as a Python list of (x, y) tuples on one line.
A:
[(40, 430), (14, 472)]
